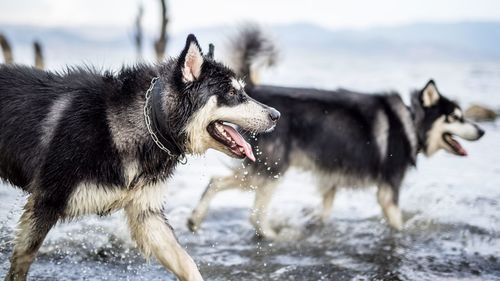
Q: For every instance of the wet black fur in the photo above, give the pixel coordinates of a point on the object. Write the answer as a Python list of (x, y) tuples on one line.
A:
[(82, 147), (334, 128)]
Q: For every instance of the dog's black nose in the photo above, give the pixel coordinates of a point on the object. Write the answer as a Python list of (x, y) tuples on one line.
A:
[(480, 132), (274, 114)]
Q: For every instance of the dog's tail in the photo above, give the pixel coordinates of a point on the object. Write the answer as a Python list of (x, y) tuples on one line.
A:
[(251, 50)]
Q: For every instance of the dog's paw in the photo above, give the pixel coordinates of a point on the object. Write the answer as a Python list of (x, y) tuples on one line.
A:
[(397, 225), (267, 234), (395, 218), (316, 221)]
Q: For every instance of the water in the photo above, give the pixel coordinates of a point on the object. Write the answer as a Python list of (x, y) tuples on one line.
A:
[(451, 205)]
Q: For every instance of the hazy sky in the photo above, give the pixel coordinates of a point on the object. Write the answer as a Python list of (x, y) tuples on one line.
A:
[(187, 14)]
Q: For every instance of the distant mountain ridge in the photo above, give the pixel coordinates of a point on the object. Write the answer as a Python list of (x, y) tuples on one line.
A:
[(463, 40), (468, 40)]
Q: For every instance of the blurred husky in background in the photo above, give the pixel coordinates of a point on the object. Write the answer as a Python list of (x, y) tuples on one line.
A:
[(345, 138), (84, 142)]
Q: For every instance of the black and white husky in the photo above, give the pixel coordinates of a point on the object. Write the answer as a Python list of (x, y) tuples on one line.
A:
[(83, 142), (346, 139)]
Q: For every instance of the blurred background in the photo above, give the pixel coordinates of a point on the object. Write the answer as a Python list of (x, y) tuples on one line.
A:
[(451, 205)]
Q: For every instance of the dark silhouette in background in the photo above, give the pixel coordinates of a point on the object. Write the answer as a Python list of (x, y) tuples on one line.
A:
[(161, 43), (6, 49), (138, 32), (39, 61)]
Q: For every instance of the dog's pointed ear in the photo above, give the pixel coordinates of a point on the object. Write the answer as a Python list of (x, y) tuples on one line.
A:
[(191, 60), (430, 94)]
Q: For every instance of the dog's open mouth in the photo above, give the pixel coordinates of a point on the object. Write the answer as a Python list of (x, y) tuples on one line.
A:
[(454, 144), (231, 139)]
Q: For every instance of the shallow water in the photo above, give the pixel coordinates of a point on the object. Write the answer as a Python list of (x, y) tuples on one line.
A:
[(451, 206)]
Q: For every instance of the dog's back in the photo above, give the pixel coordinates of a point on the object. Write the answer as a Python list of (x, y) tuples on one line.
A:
[(35, 126), (339, 132), (25, 98)]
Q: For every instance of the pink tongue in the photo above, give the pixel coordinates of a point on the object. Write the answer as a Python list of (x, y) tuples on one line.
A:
[(240, 141), (459, 148)]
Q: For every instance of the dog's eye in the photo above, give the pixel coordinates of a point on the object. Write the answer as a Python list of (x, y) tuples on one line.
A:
[(232, 92), (454, 117)]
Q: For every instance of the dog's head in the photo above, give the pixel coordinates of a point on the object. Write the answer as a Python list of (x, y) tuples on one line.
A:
[(218, 105), (439, 120)]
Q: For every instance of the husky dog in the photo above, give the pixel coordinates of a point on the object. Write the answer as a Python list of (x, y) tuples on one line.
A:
[(346, 139), (83, 142)]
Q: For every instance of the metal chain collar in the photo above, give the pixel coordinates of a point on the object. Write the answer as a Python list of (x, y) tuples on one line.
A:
[(147, 109)]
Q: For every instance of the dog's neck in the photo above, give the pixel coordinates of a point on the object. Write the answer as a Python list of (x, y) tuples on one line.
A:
[(156, 118), (417, 113), (404, 115), (127, 112)]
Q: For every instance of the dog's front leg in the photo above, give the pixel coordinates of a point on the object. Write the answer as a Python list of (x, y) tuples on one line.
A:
[(36, 221), (154, 236), (328, 197), (216, 185), (258, 218), (387, 196)]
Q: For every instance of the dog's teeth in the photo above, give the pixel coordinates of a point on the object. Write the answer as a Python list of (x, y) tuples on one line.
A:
[(242, 150)]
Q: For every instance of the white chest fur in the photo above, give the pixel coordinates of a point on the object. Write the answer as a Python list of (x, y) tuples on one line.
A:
[(89, 198)]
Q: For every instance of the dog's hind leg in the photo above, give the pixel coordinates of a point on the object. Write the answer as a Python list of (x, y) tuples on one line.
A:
[(388, 200), (154, 236), (216, 185), (328, 197), (263, 196), (36, 221)]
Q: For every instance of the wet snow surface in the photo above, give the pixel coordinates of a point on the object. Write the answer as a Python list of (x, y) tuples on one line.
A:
[(451, 206)]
